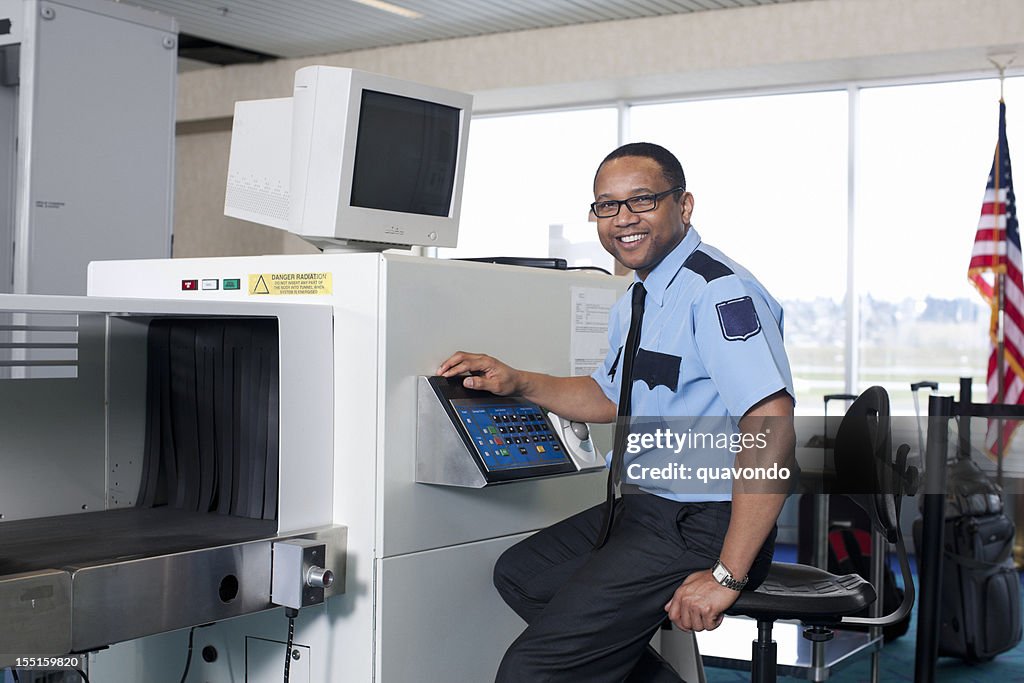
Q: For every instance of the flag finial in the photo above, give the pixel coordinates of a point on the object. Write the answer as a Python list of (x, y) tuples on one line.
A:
[(1001, 62)]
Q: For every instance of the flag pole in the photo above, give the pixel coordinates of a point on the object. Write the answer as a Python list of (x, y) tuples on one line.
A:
[(1000, 293), (1001, 365)]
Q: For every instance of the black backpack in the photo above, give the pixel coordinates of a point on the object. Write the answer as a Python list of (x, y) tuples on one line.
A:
[(980, 605)]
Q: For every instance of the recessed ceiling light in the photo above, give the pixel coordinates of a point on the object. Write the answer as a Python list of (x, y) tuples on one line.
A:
[(388, 7)]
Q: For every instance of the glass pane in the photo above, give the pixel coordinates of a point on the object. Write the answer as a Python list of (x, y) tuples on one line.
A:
[(769, 179), (529, 181), (925, 156)]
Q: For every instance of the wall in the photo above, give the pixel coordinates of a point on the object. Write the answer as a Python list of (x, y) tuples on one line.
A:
[(793, 45)]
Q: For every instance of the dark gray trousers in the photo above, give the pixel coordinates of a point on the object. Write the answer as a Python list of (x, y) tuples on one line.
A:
[(591, 613)]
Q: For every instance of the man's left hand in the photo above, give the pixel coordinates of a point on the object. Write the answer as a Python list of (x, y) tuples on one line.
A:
[(700, 602)]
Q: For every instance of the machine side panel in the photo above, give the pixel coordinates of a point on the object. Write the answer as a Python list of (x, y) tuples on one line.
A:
[(99, 164), (520, 315), (8, 158), (52, 449), (443, 619), (126, 416)]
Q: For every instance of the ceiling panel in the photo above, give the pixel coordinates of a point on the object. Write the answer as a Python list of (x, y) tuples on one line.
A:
[(305, 28)]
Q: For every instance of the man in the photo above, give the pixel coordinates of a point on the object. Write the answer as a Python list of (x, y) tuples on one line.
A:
[(711, 342)]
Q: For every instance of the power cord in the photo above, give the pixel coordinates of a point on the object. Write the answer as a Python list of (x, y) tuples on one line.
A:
[(188, 661), (597, 268), (81, 672), (291, 613)]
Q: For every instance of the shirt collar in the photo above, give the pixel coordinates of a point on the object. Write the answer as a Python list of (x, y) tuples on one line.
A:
[(659, 279)]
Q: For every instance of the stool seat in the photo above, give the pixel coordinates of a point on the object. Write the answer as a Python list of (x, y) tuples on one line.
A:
[(808, 594)]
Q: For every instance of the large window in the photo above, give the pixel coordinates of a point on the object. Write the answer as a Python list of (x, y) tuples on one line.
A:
[(768, 176), (924, 156), (529, 182), (925, 153)]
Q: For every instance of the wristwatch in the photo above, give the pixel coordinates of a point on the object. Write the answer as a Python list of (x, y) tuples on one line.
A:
[(723, 576)]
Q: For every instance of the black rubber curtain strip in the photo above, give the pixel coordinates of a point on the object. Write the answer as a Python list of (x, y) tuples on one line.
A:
[(209, 342), (185, 423), (238, 342), (273, 430), (212, 427)]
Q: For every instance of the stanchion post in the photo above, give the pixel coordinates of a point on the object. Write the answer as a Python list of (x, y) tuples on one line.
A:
[(929, 555)]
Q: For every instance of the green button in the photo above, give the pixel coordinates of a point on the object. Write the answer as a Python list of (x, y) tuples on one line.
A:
[(234, 283)]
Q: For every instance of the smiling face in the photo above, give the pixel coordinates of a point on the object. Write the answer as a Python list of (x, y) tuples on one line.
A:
[(639, 241)]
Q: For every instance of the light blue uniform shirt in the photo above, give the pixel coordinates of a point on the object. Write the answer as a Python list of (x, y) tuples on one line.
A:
[(710, 346)]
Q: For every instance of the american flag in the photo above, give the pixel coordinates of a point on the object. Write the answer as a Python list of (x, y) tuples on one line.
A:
[(997, 251)]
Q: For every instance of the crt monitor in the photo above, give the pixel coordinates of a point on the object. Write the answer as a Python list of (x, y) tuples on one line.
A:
[(352, 159), (375, 159)]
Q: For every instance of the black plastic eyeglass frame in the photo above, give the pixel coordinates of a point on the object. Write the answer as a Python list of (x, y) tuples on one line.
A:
[(619, 202)]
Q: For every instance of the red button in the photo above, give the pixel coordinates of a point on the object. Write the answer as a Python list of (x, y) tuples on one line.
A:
[(189, 285)]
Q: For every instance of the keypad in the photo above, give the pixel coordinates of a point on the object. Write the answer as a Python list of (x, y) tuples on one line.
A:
[(511, 436)]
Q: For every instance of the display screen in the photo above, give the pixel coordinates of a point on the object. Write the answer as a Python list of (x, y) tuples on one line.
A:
[(406, 155), (509, 436)]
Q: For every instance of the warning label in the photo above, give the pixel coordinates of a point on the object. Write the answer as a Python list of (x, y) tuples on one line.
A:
[(296, 284)]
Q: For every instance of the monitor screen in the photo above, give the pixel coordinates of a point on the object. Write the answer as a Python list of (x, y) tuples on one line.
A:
[(406, 155), (511, 435)]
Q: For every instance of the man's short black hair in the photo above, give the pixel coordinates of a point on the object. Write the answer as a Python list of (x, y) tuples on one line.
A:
[(671, 169)]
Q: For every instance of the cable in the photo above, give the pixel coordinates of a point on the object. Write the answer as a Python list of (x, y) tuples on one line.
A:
[(598, 268), (291, 613), (14, 674), (81, 672), (188, 660)]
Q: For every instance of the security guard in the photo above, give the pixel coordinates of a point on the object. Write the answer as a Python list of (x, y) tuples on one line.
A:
[(709, 346)]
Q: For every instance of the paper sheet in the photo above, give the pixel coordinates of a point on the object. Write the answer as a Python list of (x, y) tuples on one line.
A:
[(588, 341)]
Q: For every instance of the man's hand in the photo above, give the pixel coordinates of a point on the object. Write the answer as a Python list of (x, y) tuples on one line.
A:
[(700, 602), (573, 398), (485, 373)]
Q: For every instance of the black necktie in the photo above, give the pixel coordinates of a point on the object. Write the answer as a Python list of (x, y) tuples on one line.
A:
[(625, 408)]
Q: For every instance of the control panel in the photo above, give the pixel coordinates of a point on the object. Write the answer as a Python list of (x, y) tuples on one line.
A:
[(503, 438)]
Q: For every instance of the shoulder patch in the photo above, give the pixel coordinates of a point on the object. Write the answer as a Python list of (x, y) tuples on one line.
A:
[(738, 318), (705, 266)]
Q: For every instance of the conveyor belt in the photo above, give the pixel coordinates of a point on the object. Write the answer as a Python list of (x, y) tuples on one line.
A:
[(117, 535)]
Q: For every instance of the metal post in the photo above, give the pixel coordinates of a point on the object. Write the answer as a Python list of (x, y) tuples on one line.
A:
[(879, 558), (965, 420), (764, 656), (929, 558)]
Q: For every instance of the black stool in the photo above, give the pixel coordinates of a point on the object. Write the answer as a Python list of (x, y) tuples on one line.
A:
[(868, 474)]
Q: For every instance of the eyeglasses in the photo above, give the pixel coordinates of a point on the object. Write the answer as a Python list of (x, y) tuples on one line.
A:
[(609, 208)]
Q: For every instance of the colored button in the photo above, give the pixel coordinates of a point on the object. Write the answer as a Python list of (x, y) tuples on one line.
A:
[(189, 285), (232, 283), (540, 449)]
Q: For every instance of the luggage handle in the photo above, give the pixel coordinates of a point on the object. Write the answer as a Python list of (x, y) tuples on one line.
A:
[(914, 388)]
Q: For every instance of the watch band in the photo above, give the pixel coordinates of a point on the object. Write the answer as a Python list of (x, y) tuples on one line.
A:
[(725, 578)]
